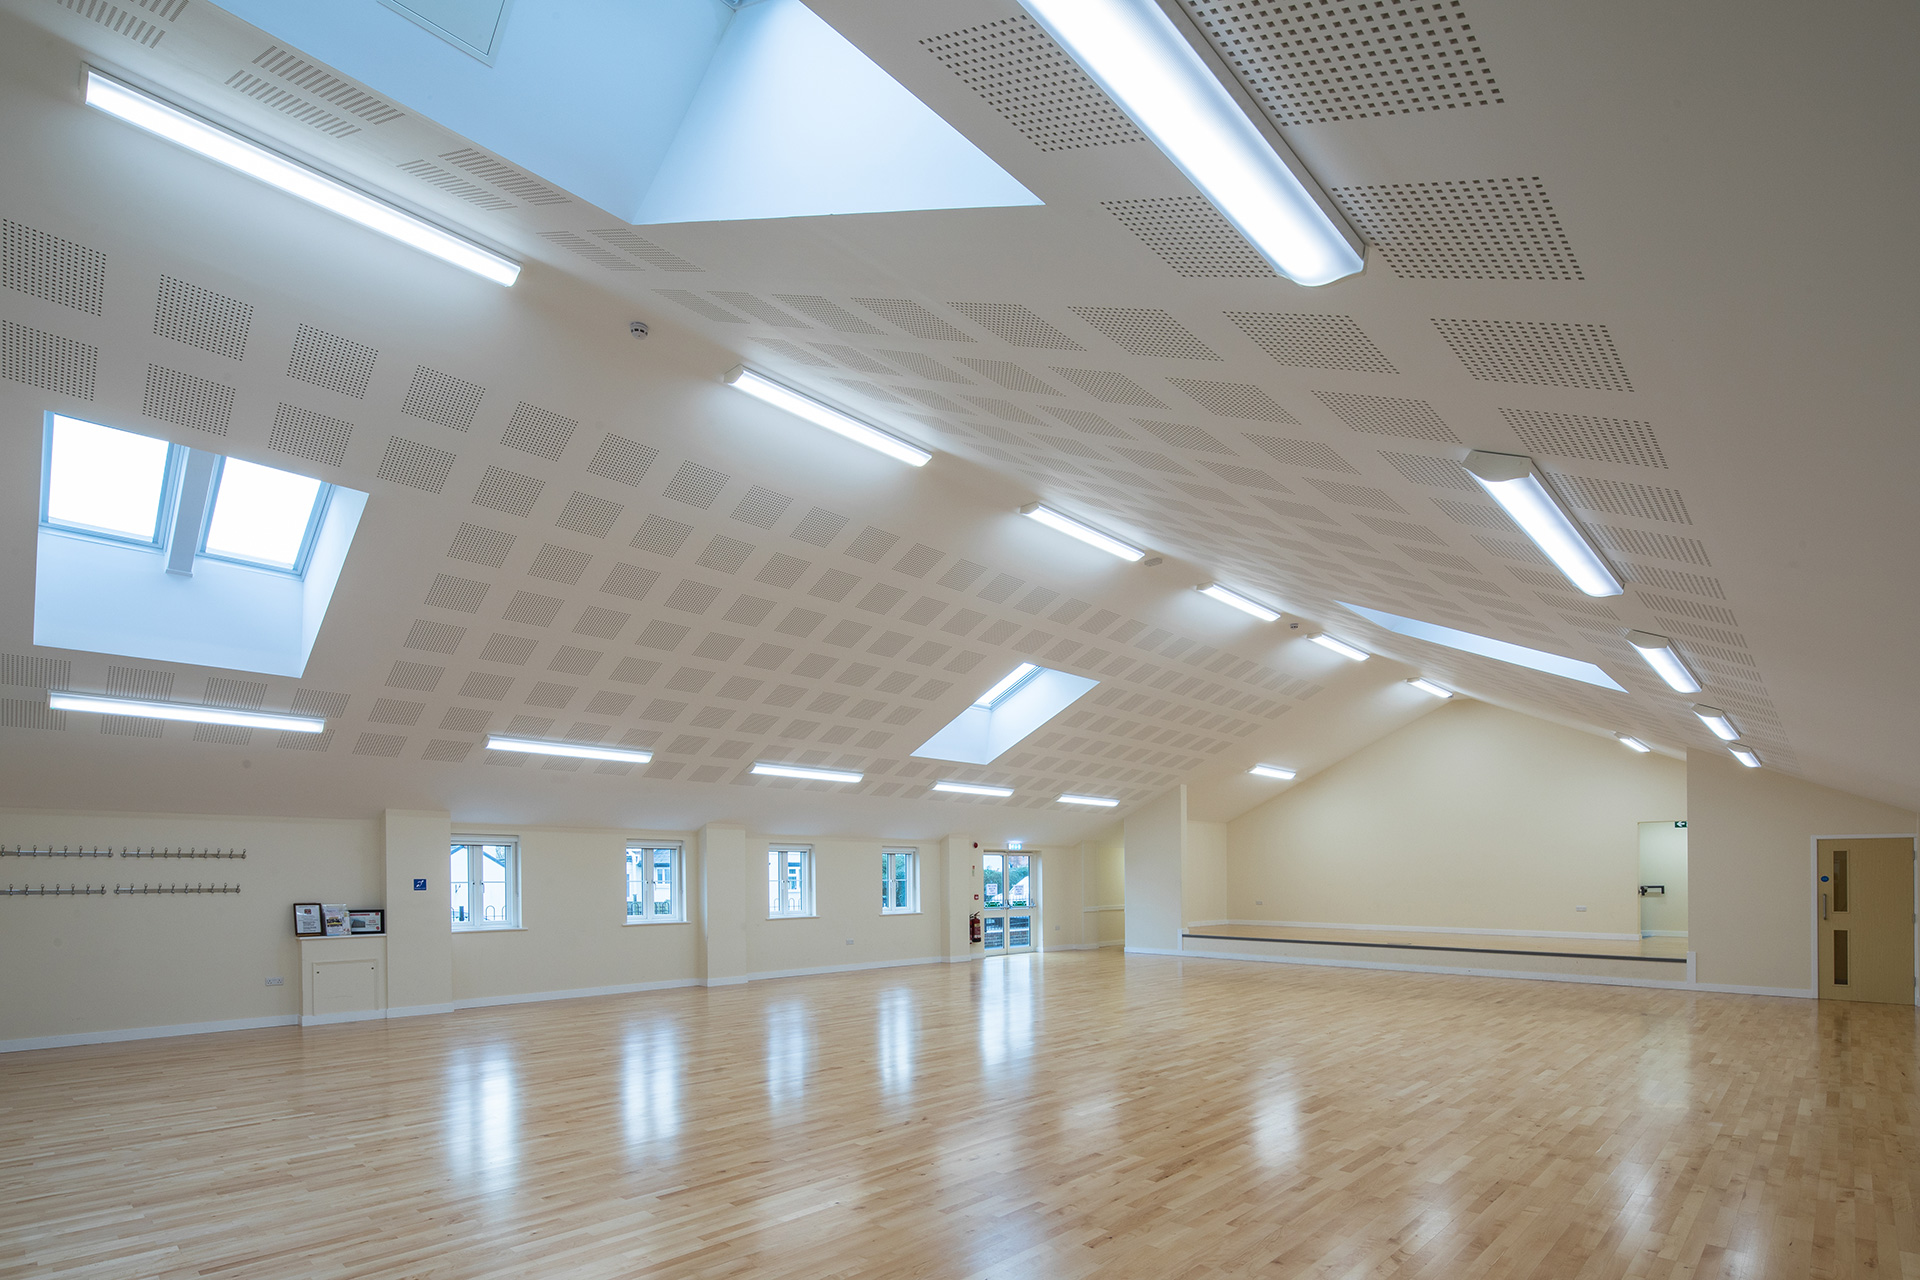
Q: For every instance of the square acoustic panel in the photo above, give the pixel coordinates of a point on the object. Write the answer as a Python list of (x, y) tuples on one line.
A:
[(1473, 229), (1030, 81), (1317, 61)]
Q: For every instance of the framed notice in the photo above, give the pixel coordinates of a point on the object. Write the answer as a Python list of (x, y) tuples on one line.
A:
[(367, 921), (334, 917), (306, 920)]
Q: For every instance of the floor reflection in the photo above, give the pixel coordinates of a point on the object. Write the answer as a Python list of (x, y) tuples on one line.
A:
[(651, 1076), (896, 1029), (789, 1050), (1006, 1011), (482, 1116)]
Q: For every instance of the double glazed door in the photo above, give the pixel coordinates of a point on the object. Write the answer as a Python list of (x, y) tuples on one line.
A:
[(1010, 900), (1865, 896)]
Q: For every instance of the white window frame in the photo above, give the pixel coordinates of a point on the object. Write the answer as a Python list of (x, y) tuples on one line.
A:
[(776, 859), (679, 915), (512, 881), (912, 855)]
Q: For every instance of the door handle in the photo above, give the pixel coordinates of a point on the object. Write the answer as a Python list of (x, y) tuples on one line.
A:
[(1823, 906)]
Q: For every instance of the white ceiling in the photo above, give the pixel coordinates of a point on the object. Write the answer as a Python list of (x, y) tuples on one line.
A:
[(1648, 230)]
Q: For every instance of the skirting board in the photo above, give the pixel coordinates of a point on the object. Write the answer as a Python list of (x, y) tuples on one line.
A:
[(577, 993), (148, 1033), (1459, 971), (1429, 928)]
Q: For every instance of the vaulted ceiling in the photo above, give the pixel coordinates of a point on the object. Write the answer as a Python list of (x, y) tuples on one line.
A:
[(1659, 250)]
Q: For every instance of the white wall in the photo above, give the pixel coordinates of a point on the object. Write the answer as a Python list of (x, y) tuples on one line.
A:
[(1105, 874), (1472, 817), (1203, 875), (1750, 836), (1663, 861), (1156, 840), (848, 928)]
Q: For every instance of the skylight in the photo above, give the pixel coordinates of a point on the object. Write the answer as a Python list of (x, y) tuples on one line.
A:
[(104, 481), (1007, 686), (262, 516), (1017, 704), (1487, 647)]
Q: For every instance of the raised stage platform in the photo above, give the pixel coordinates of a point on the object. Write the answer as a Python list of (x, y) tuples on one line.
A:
[(1645, 960)]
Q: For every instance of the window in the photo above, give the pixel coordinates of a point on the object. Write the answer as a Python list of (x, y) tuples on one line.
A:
[(654, 893), (124, 487), (899, 881), (789, 882), (485, 875), (108, 483), (262, 516)]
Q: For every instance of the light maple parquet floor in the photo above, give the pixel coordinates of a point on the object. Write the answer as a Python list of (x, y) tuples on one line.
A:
[(1081, 1114)]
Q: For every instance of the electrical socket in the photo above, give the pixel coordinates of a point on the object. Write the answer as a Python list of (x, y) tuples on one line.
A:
[(849, 941), (276, 982), (1579, 908)]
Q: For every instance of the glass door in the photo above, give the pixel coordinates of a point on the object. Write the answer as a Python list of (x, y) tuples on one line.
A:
[(1010, 898)]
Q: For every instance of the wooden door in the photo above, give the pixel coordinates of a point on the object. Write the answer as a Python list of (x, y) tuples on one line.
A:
[(1865, 896)]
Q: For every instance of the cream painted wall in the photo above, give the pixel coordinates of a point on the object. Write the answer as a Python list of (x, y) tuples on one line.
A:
[(1062, 894), (573, 934), (1663, 861), (1750, 836), (94, 964), (1203, 875), (1105, 874), (1156, 839), (1472, 817), (847, 902)]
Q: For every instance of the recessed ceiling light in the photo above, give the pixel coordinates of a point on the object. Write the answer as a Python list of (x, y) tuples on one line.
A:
[(1717, 722), (182, 711), (1512, 480), (1086, 533), (1632, 744), (769, 769), (1006, 686), (223, 146), (582, 750), (1131, 49), (1340, 647), (1665, 661), (1234, 599), (1425, 685), (1744, 754), (1103, 802), (1271, 771), (821, 414), (973, 789)]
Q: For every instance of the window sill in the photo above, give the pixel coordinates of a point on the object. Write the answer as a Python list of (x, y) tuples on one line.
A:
[(808, 915), (902, 911), (494, 928), (643, 923)]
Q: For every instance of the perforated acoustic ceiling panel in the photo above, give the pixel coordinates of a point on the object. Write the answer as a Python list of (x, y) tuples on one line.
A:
[(48, 360), (1018, 68), (1473, 229), (1315, 61), (1312, 341), (1543, 353), (43, 265), (1191, 237), (145, 22)]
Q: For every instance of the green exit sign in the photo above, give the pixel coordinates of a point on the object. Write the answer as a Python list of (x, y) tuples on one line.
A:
[(1681, 825)]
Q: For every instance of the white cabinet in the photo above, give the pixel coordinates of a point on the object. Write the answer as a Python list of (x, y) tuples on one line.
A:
[(343, 979)]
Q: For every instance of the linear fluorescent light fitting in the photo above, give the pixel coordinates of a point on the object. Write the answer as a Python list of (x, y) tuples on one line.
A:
[(223, 146), (1086, 533), (581, 750), (1101, 802), (1340, 647), (1234, 599), (184, 712), (1659, 653), (1006, 685), (822, 414), (1717, 723), (1633, 744), (1512, 480), (1427, 686), (1745, 754), (768, 769), (1133, 50), (1271, 771), (973, 789)]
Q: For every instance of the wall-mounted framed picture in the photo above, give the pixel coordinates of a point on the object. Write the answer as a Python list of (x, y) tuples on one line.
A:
[(334, 916), (367, 921), (306, 920)]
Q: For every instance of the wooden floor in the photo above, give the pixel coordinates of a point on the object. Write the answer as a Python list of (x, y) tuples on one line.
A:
[(1085, 1114), (1670, 949)]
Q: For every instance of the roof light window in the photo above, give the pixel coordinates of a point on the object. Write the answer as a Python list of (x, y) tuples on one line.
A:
[(112, 484), (264, 516)]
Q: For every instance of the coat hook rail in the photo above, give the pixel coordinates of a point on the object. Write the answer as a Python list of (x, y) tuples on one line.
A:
[(21, 851), (183, 853), (42, 891), (176, 888)]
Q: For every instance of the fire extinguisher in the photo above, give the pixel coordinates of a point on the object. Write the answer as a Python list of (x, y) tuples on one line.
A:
[(974, 928)]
